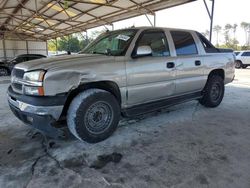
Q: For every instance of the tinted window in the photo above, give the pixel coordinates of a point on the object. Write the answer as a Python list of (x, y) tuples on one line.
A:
[(246, 54), (209, 48), (184, 43), (20, 60), (33, 57), (236, 53), (157, 41)]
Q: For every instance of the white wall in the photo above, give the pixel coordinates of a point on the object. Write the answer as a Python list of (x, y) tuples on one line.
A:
[(17, 47)]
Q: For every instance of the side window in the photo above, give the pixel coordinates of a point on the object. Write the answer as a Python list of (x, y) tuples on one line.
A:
[(246, 54), (184, 43), (157, 41), (209, 48), (32, 58), (19, 60)]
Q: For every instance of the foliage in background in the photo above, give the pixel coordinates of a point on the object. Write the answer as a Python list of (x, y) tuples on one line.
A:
[(229, 33), (77, 42), (73, 43)]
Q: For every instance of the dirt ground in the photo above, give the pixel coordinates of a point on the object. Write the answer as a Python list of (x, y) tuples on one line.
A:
[(184, 146)]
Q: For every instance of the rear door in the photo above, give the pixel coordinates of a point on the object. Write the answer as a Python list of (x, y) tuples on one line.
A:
[(245, 57), (149, 78), (189, 65)]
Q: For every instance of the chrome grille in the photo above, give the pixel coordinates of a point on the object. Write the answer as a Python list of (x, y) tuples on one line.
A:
[(17, 73), (17, 86)]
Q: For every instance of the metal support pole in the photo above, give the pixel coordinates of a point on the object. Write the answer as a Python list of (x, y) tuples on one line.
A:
[(47, 51), (56, 47), (211, 16), (27, 47), (87, 37), (4, 50), (149, 20), (155, 20), (212, 21)]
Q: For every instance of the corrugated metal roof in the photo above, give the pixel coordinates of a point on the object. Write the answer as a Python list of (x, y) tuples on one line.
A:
[(46, 19)]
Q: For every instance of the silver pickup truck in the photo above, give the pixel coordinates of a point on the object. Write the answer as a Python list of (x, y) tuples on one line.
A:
[(122, 73)]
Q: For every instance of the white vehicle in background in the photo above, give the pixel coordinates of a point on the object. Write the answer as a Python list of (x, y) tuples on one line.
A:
[(242, 59)]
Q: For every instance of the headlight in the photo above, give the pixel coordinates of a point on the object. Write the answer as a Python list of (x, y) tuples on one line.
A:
[(33, 83), (34, 76)]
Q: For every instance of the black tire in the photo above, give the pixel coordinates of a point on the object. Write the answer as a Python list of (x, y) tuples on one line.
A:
[(4, 71), (213, 92), (238, 64), (93, 115), (244, 66)]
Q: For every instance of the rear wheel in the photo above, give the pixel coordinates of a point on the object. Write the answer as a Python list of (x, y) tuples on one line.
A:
[(238, 64), (93, 115), (244, 66), (213, 92)]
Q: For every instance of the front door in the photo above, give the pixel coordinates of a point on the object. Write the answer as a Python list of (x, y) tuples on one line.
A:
[(245, 57), (151, 77)]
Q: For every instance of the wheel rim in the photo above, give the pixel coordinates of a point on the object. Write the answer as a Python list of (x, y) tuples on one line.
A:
[(3, 72), (98, 117), (238, 65), (215, 91)]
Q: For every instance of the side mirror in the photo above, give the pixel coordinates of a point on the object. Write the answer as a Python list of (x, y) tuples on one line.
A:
[(143, 51)]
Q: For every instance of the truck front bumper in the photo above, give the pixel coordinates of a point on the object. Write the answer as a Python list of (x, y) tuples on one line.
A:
[(38, 112)]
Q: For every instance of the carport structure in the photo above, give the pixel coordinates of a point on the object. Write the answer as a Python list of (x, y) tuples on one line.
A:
[(49, 19)]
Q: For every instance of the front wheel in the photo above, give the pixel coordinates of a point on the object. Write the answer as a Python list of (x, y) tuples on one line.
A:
[(213, 92), (93, 115), (4, 72), (238, 64)]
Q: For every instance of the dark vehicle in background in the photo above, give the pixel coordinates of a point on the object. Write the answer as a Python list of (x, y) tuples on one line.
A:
[(6, 67)]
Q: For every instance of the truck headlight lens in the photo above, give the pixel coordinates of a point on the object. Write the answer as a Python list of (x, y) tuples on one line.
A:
[(34, 76), (33, 83)]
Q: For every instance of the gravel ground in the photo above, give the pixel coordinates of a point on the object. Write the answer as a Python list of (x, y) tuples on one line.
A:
[(184, 146)]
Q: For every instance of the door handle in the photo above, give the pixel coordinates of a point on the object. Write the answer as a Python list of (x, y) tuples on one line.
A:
[(197, 63), (170, 65)]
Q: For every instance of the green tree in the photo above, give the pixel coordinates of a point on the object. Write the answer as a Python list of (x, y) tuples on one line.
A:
[(246, 27), (234, 30), (69, 43), (217, 29), (51, 45), (227, 30)]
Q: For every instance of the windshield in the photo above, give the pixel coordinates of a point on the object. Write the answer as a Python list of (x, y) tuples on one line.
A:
[(236, 53), (13, 60), (113, 43)]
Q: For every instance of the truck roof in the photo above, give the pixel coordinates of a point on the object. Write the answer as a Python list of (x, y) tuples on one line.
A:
[(150, 27)]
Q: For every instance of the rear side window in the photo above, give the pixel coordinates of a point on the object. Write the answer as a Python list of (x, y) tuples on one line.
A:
[(209, 48), (246, 54), (184, 43)]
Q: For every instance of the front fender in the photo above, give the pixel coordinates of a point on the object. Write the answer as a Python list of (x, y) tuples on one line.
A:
[(63, 81)]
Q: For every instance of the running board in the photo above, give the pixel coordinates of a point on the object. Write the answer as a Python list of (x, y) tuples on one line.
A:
[(153, 106)]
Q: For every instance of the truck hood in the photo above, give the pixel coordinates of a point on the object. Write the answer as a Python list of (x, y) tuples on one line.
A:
[(63, 61)]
